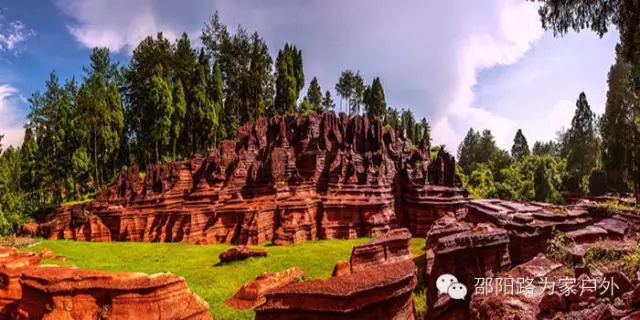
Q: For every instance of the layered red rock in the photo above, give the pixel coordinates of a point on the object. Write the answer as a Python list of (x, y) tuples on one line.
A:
[(375, 284), (285, 179), (71, 293), (252, 294), (12, 264), (32, 291), (478, 252)]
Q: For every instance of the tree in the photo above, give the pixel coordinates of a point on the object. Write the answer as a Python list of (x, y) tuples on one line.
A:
[(599, 16), (466, 150), (520, 147), (260, 80), (287, 77), (344, 87), (392, 119), (617, 127), (356, 96), (162, 102), (178, 116), (327, 102), (314, 95), (549, 148), (581, 142), (375, 103)]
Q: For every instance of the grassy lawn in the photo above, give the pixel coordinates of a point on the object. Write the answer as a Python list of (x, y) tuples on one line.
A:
[(197, 263)]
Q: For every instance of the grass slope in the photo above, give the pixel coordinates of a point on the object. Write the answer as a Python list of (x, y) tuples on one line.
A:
[(197, 263)]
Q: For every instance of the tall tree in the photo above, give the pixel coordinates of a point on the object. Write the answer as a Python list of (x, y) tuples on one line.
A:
[(581, 142), (287, 76), (314, 95), (356, 97), (162, 103), (520, 146), (344, 87), (617, 127), (375, 103)]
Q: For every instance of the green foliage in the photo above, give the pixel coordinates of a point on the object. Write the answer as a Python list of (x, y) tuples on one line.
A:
[(481, 184), (520, 147), (327, 102), (597, 256), (374, 100), (289, 79), (631, 263), (558, 248), (314, 95), (581, 145), (533, 178), (550, 148)]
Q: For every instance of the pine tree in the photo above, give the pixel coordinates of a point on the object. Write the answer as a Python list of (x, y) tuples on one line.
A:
[(314, 95), (467, 150), (327, 102), (520, 147), (581, 142), (178, 116), (375, 104), (286, 81)]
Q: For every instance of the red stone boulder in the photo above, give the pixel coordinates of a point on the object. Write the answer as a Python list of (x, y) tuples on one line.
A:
[(240, 253)]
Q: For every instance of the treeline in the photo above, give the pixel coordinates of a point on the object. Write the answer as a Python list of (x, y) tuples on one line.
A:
[(593, 156), (169, 102)]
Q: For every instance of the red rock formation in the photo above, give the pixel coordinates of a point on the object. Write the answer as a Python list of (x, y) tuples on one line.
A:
[(285, 179), (31, 291), (12, 265), (71, 293), (376, 284), (241, 253), (252, 294), (481, 251)]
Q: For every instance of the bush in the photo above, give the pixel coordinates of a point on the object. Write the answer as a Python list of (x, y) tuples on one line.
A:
[(558, 248)]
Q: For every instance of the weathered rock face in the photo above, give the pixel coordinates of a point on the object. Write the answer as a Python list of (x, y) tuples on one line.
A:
[(31, 291), (481, 251), (479, 248), (286, 179), (376, 284), (252, 294)]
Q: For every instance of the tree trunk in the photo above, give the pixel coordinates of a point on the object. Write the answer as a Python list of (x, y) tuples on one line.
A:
[(95, 155)]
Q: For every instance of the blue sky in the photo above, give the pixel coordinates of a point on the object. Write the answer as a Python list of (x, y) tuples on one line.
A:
[(460, 64)]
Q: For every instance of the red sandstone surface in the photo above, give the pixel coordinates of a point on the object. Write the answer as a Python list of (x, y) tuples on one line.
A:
[(376, 284), (285, 179), (33, 291), (252, 294)]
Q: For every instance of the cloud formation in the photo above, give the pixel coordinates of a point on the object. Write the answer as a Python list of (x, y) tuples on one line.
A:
[(10, 125), (12, 33)]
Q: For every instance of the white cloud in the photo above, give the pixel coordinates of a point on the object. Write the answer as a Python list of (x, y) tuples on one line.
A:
[(12, 34), (10, 126), (517, 29), (119, 24)]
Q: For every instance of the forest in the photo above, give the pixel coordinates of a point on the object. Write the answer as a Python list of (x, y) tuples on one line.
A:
[(173, 100)]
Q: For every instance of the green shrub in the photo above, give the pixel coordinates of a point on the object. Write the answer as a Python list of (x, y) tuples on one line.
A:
[(558, 248)]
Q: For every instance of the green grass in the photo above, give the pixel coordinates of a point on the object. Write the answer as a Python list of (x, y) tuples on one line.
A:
[(197, 263)]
